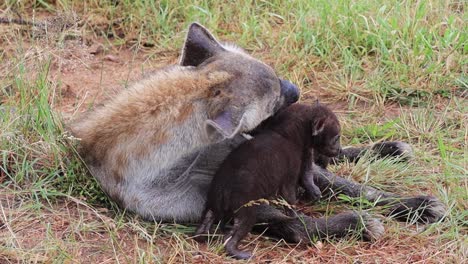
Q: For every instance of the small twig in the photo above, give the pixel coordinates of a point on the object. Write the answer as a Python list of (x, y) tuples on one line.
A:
[(19, 21)]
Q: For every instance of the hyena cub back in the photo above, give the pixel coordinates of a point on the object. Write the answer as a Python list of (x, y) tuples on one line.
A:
[(270, 165)]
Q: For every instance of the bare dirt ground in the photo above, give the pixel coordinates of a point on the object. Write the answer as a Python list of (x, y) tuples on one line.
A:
[(90, 74), (90, 230)]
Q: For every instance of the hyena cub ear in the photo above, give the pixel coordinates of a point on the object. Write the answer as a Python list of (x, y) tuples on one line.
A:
[(318, 125), (199, 46)]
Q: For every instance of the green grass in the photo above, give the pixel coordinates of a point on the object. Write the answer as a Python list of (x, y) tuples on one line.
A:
[(397, 70)]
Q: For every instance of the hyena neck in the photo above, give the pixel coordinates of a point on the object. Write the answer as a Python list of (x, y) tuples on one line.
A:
[(295, 130), (188, 136)]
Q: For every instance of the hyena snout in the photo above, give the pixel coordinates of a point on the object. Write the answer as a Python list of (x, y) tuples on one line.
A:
[(289, 93)]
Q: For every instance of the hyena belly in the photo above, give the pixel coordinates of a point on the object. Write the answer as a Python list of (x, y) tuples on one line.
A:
[(175, 193)]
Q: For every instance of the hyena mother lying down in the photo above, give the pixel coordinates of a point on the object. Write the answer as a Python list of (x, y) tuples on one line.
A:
[(155, 147)]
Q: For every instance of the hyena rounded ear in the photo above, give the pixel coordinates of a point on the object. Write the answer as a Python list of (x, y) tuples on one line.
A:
[(199, 45), (318, 126), (224, 125)]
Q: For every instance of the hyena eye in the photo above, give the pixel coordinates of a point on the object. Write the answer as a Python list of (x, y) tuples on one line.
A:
[(217, 92), (337, 139)]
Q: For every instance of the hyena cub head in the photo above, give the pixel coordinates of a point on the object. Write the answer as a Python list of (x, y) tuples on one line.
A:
[(326, 131), (252, 92)]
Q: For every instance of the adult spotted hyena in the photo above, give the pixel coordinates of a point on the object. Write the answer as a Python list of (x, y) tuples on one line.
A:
[(155, 147)]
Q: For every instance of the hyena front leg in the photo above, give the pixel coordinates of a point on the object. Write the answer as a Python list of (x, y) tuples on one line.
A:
[(312, 190), (381, 149), (307, 229), (427, 209)]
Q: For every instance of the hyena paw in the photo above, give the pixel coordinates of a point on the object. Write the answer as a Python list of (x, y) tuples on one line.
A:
[(422, 209), (373, 228), (313, 194), (393, 149)]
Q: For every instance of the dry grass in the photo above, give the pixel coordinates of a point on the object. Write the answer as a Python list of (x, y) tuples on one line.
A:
[(393, 70)]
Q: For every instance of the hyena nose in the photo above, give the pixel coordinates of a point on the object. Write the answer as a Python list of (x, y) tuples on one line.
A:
[(289, 91)]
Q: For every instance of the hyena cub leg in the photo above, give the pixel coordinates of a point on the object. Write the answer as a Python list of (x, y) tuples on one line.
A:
[(204, 228), (323, 161), (289, 194), (244, 221), (312, 190)]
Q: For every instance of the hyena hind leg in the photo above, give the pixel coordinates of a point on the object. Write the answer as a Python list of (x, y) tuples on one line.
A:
[(204, 228), (243, 224)]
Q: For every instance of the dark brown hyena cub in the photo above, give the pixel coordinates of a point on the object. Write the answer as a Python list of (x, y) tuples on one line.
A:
[(272, 164)]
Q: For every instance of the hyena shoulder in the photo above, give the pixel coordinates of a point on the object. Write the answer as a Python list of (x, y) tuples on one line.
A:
[(154, 104)]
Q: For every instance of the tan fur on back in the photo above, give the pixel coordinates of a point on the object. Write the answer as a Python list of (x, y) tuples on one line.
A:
[(145, 111)]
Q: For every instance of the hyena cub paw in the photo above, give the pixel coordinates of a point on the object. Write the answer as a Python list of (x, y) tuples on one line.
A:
[(422, 209), (373, 228), (393, 149), (314, 194)]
